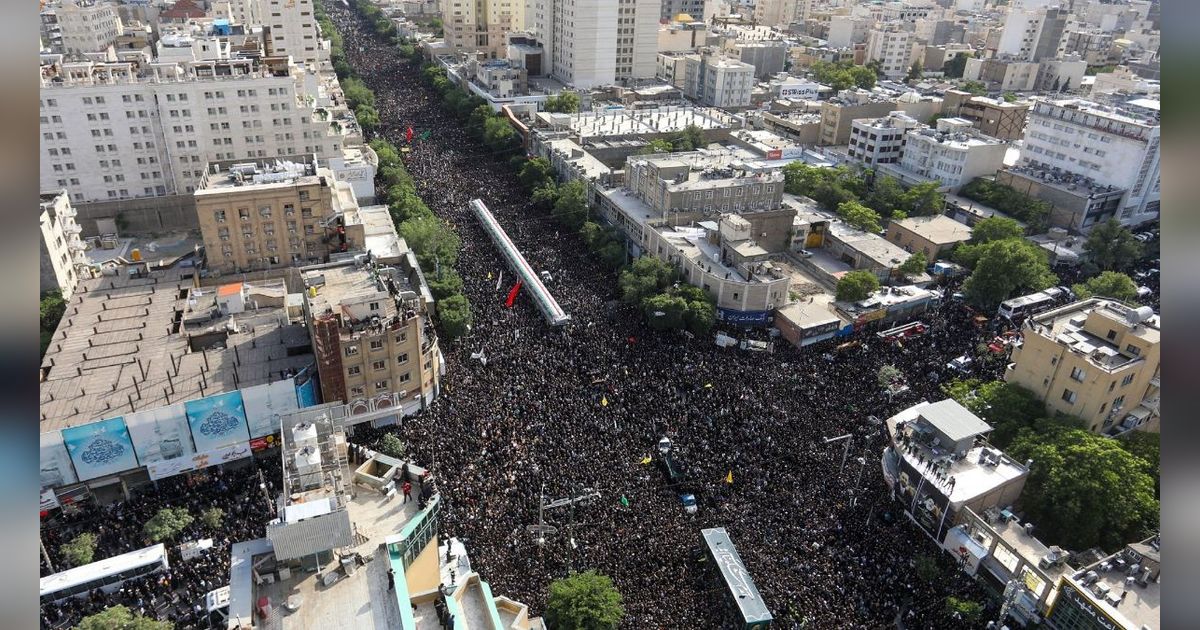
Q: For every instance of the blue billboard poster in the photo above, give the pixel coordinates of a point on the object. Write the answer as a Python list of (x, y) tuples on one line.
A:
[(743, 318), (265, 403), (55, 463), (100, 448), (217, 421), (160, 434)]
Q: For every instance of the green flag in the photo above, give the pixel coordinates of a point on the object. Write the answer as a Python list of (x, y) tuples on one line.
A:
[(424, 135), (624, 501)]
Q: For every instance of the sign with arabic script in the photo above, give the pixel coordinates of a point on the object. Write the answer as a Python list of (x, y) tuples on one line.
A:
[(217, 421), (100, 448)]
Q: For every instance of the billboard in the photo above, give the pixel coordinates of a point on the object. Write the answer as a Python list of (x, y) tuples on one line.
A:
[(56, 469), (100, 448), (743, 318), (265, 403), (217, 421), (306, 387), (160, 434), (798, 90), (198, 461)]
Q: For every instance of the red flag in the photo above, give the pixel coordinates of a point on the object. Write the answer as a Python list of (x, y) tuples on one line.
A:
[(512, 295), (408, 134)]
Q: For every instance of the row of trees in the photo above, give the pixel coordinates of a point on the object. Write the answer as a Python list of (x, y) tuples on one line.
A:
[(164, 526), (1033, 212), (861, 198), (686, 139), (1063, 494)]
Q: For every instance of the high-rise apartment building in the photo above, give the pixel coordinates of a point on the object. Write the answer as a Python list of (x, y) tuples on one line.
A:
[(893, 49), (62, 249), (717, 81), (262, 214), (592, 43), (692, 8), (1097, 360), (86, 26), (291, 29), (124, 130), (1034, 34), (481, 24)]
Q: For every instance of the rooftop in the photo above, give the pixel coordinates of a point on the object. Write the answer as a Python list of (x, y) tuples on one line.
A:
[(362, 293), (620, 122), (1069, 325), (1115, 114), (953, 420), (122, 346), (938, 229), (1116, 589), (260, 174)]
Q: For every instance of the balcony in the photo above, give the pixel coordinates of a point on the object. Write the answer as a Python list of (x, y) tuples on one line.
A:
[(73, 229)]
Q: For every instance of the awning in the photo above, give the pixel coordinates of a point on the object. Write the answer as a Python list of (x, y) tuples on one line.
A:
[(959, 544)]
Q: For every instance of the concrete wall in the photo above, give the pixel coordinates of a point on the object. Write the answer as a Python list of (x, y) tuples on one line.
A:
[(147, 215)]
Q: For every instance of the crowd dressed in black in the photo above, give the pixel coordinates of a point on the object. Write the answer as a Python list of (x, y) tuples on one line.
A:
[(581, 407), (177, 594)]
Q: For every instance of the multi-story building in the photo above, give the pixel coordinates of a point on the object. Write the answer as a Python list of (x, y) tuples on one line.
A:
[(931, 235), (993, 117), (1064, 74), (270, 213), (481, 24), (692, 8), (717, 81), (87, 26), (590, 43), (244, 12), (61, 248), (1097, 360), (1034, 34), (1086, 140), (875, 141), (1119, 592), (1095, 46), (1122, 79), (50, 32), (637, 39), (1002, 74), (767, 56), (893, 49), (372, 336), (847, 30), (939, 465), (291, 29), (952, 154), (839, 112), (125, 130), (780, 12)]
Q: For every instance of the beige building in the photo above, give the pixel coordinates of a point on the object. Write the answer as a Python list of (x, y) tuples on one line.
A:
[(481, 25), (838, 113), (994, 117), (1097, 360), (273, 213), (371, 330), (693, 182), (88, 26), (62, 249), (932, 236)]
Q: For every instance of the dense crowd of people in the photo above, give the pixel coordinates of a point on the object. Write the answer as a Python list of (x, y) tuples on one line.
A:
[(176, 594), (579, 408)]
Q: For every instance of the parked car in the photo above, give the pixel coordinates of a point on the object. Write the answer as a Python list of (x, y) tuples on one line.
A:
[(689, 503), (960, 364)]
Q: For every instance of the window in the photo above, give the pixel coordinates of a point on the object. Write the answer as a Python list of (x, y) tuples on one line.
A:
[(381, 384), (1131, 349), (379, 365), (1112, 334), (1127, 380), (1078, 374), (1069, 396), (354, 370), (406, 377), (304, 197), (351, 350), (357, 390), (1118, 401), (402, 337), (376, 344), (402, 359), (374, 306)]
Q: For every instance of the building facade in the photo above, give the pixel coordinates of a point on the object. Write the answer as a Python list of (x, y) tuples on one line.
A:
[(1097, 360), (481, 25), (893, 49), (123, 130), (291, 29), (61, 248), (718, 81), (1033, 34), (86, 26), (875, 141), (953, 154), (932, 235)]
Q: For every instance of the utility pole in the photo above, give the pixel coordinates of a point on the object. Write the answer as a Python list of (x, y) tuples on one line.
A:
[(845, 452)]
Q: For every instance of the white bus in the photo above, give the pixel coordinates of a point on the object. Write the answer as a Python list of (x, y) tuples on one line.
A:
[(1026, 305), (107, 574)]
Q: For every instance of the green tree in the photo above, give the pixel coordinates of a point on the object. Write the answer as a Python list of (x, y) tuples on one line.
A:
[(996, 228), (1110, 284), (445, 284), (1009, 97), (1008, 200), (432, 241), (498, 134), (974, 87), (927, 568), (213, 517), (657, 145), (955, 66), (79, 550), (664, 311), (584, 601), (454, 314), (50, 309), (477, 119), (564, 102), (875, 66), (887, 196), (914, 72), (1145, 446), (964, 609), (1084, 490), (691, 137), (856, 285), (546, 195), (1111, 246), (700, 316), (612, 254), (535, 173), (887, 375), (121, 618), (1004, 267), (385, 151), (357, 93), (923, 199), (571, 206), (915, 265), (643, 278), (167, 524), (859, 216), (1008, 407), (391, 446), (367, 117)]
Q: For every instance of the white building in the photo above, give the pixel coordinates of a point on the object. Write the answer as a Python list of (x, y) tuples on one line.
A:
[(780, 12), (1033, 34), (953, 154), (893, 49), (637, 39), (718, 81), (875, 141), (62, 249), (847, 30), (590, 43), (244, 12), (87, 26), (1100, 143), (291, 29), (1122, 79), (119, 130)]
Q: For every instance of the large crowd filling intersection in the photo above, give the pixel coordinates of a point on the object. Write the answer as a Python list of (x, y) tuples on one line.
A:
[(579, 409)]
